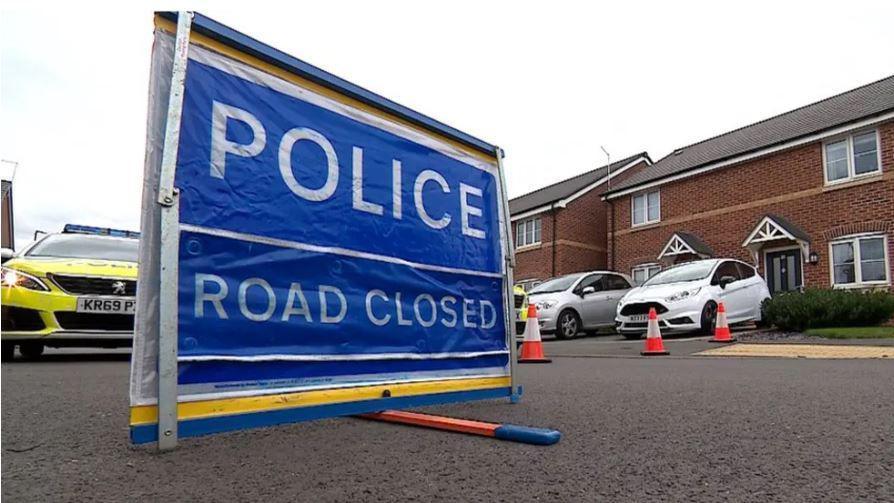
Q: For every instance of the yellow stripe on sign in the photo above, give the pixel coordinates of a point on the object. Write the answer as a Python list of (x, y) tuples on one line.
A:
[(252, 61), (148, 414)]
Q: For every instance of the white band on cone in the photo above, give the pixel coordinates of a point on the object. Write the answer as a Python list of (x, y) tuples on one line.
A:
[(532, 330), (653, 330), (721, 319)]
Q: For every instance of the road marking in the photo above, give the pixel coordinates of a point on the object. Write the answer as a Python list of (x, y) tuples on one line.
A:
[(801, 351)]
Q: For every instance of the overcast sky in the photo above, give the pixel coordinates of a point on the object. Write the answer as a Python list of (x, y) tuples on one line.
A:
[(549, 83)]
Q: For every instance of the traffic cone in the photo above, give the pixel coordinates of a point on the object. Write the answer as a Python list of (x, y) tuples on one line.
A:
[(532, 346), (654, 344), (721, 328)]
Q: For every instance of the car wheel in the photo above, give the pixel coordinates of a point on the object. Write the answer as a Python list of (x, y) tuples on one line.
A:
[(9, 351), (708, 318), (567, 325), (31, 350)]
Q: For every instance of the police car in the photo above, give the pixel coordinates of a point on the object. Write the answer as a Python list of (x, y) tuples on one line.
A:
[(74, 288), (521, 309)]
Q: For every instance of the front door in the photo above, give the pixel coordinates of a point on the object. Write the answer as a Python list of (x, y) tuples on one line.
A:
[(784, 270)]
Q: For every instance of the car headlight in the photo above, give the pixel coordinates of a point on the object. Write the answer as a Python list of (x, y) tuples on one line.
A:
[(546, 304), (12, 278), (683, 295)]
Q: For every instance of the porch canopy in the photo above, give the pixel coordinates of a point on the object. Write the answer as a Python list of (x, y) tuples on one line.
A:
[(684, 246), (774, 230)]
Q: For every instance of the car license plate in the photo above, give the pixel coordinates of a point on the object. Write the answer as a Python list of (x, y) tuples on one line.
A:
[(639, 317), (106, 305)]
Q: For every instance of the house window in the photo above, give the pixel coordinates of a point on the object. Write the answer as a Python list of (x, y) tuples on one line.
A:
[(646, 208), (852, 157), (643, 272), (861, 260), (527, 232)]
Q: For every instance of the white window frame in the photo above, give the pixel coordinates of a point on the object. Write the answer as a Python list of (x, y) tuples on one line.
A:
[(523, 223), (646, 220), (849, 139), (644, 267), (854, 239)]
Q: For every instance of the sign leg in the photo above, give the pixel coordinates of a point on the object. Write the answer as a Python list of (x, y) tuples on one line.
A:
[(167, 333)]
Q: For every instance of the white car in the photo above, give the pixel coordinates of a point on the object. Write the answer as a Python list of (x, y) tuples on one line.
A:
[(578, 302), (686, 297)]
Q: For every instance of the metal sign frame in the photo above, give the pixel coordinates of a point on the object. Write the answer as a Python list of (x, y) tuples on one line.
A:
[(168, 199), (509, 267)]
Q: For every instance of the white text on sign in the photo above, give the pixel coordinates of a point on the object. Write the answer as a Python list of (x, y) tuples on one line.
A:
[(221, 146), (331, 305)]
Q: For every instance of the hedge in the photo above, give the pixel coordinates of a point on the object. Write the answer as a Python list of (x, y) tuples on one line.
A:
[(816, 308)]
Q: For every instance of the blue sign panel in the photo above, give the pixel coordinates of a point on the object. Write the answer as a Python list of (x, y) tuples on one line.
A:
[(254, 158), (252, 302), (311, 235)]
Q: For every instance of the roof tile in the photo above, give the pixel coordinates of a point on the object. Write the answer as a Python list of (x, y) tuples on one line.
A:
[(865, 101), (565, 188)]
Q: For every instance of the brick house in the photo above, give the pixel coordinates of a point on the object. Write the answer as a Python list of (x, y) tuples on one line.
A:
[(561, 228), (806, 196)]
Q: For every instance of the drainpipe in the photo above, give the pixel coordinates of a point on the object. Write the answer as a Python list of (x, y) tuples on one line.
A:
[(611, 230), (553, 211), (608, 164)]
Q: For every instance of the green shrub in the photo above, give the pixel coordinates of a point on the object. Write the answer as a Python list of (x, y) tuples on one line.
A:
[(815, 308)]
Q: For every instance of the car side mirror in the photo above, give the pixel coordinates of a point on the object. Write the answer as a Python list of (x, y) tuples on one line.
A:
[(587, 290), (6, 254), (725, 280)]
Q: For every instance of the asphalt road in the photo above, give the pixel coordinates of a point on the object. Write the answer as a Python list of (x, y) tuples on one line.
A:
[(673, 428)]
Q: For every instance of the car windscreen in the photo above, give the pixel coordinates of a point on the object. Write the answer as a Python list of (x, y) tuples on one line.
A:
[(559, 284), (86, 246), (681, 273)]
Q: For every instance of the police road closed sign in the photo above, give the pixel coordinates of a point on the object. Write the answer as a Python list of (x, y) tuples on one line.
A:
[(330, 254)]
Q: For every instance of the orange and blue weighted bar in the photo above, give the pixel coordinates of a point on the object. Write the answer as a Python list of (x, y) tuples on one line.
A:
[(511, 432)]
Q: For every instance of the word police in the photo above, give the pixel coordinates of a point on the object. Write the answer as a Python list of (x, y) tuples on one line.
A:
[(331, 306), (221, 146)]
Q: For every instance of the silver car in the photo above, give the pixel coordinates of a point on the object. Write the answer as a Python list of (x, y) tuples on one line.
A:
[(585, 301)]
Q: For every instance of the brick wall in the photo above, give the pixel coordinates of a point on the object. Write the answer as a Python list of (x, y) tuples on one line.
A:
[(580, 239), (723, 206)]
